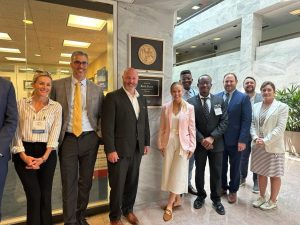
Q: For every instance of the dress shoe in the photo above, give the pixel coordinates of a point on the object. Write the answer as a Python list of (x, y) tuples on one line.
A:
[(231, 198), (116, 222), (219, 208), (132, 218), (192, 190), (198, 203), (82, 222)]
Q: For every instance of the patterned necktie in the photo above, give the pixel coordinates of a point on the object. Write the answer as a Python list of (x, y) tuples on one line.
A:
[(227, 100), (77, 111), (205, 108)]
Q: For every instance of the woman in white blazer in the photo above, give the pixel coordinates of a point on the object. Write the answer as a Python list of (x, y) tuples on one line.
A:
[(269, 119), (177, 143)]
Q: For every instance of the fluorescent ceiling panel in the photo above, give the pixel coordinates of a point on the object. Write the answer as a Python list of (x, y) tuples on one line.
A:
[(85, 22), (16, 59), (67, 55), (77, 44), (64, 62), (5, 36), (10, 50), (295, 12)]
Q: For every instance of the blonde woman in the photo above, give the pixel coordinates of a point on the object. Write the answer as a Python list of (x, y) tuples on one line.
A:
[(34, 148), (177, 143)]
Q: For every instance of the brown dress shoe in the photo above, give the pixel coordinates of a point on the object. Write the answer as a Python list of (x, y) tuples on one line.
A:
[(116, 222), (231, 198), (132, 218)]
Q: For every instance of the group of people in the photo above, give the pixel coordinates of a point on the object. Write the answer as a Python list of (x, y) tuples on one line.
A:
[(223, 128), (72, 116)]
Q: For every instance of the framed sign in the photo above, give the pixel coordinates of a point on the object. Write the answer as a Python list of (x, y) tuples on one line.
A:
[(27, 84), (151, 87), (146, 54)]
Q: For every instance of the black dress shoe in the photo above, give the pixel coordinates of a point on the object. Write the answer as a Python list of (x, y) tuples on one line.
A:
[(219, 208), (192, 190), (198, 203)]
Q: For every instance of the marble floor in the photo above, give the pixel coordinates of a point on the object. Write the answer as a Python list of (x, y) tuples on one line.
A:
[(150, 201)]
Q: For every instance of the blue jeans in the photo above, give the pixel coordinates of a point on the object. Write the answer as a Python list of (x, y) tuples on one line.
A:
[(245, 162)]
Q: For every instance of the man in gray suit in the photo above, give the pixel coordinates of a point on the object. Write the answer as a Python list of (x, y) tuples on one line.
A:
[(211, 123), (8, 125), (249, 87), (80, 136), (126, 137)]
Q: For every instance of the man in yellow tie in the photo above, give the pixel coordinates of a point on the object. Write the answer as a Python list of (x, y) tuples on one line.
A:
[(80, 136)]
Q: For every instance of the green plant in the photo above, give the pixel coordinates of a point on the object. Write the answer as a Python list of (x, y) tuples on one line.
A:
[(291, 97)]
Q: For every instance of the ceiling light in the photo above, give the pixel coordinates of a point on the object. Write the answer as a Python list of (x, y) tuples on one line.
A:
[(85, 22), (10, 50), (65, 71), (5, 36), (16, 59), (37, 55), (195, 7), (193, 46), (68, 55), (77, 44), (178, 18), (64, 62), (216, 39), (295, 12), (26, 69), (177, 53), (27, 22)]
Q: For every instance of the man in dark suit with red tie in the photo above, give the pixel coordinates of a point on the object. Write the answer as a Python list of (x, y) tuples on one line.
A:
[(211, 123)]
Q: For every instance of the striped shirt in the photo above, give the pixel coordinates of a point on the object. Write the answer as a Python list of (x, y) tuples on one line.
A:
[(51, 114)]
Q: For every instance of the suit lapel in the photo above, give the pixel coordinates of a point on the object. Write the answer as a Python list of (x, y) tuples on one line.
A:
[(128, 102), (68, 92), (272, 108), (89, 94)]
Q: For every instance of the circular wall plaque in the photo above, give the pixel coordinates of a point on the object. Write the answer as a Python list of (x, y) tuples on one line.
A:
[(147, 54)]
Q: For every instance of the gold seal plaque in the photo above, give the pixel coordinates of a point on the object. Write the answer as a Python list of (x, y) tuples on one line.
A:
[(147, 54)]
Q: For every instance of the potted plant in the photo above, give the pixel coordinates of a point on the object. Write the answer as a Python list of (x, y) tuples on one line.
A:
[(291, 97)]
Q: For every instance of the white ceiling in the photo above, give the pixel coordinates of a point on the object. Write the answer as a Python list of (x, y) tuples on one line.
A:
[(46, 35)]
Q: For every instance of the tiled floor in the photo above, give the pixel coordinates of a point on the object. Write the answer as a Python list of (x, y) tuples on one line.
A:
[(150, 200)]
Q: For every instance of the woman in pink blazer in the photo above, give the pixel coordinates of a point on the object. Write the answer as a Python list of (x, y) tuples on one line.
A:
[(177, 142)]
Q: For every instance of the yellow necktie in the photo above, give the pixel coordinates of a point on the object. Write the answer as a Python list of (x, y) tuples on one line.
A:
[(77, 111)]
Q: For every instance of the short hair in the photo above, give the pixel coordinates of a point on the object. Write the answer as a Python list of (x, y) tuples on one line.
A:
[(174, 84), (205, 75), (185, 72), (252, 78), (79, 53), (268, 83), (40, 73), (230, 74)]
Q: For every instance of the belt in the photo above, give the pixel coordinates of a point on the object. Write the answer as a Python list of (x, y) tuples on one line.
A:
[(81, 135)]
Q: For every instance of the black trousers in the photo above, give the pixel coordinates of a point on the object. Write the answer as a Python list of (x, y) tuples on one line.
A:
[(37, 184), (77, 157), (123, 180), (215, 169)]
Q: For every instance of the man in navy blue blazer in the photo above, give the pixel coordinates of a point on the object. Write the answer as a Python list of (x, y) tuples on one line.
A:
[(237, 134), (8, 125)]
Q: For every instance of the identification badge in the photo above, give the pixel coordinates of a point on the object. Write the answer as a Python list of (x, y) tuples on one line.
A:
[(218, 110), (38, 126)]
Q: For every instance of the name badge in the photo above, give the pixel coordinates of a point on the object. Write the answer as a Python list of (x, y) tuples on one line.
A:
[(218, 110), (38, 126)]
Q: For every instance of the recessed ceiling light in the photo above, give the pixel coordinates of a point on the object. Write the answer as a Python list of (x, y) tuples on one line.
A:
[(178, 18), (216, 39), (37, 55), (5, 36), (67, 55), (295, 12), (65, 71), (16, 59), (195, 7), (85, 22), (64, 62), (10, 50), (28, 22), (78, 44), (26, 69), (193, 46)]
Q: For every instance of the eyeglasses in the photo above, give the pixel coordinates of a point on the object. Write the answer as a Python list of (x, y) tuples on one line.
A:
[(77, 63)]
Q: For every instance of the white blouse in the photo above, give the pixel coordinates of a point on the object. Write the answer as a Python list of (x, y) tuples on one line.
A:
[(51, 114)]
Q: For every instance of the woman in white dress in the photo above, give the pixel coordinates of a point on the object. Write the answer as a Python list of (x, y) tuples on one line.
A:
[(177, 143), (267, 130)]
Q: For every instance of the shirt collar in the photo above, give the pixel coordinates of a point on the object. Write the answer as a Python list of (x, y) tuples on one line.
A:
[(136, 94), (208, 96), (74, 81), (50, 101)]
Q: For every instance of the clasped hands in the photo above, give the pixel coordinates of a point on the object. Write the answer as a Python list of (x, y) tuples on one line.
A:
[(32, 162), (207, 143)]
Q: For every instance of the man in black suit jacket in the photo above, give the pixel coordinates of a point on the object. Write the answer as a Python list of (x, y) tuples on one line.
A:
[(126, 136), (8, 125), (211, 123)]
